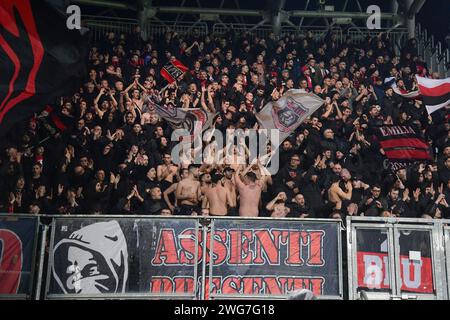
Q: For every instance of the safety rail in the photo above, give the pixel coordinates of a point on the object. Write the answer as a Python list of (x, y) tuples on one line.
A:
[(102, 25), (221, 29), (185, 257), (434, 53), (398, 258), (245, 258), (399, 36), (158, 28), (266, 29)]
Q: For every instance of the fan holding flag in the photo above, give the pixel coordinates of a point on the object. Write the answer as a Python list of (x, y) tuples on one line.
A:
[(174, 70)]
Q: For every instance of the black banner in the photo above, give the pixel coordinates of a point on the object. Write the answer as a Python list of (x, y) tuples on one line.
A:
[(17, 244), (403, 146), (163, 257), (123, 256), (258, 258)]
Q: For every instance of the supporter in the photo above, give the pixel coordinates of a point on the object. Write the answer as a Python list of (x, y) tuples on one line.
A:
[(115, 153)]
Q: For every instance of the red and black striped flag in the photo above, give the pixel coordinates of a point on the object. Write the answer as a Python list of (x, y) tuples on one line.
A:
[(435, 93), (40, 59), (403, 146), (173, 70)]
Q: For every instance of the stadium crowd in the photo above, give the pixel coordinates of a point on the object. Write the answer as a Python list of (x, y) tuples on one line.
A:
[(105, 149)]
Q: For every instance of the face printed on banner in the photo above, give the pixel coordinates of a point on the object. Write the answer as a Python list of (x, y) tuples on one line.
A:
[(92, 260), (83, 271)]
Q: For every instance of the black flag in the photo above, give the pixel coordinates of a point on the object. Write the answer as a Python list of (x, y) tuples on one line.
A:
[(40, 59)]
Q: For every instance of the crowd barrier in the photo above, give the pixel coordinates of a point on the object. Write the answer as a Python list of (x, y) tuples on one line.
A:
[(148, 257), (142, 257), (390, 258), (435, 54)]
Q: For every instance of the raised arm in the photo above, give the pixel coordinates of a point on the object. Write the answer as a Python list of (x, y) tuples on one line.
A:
[(237, 179), (270, 206)]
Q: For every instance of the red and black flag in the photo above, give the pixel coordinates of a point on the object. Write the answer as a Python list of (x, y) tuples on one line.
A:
[(40, 59), (403, 146), (54, 120), (435, 93), (173, 70)]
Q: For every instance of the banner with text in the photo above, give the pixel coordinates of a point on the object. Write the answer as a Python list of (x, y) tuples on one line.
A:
[(373, 267), (402, 145), (262, 258), (160, 257)]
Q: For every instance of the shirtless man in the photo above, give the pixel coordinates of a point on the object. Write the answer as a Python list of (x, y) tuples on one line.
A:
[(217, 197), (205, 182), (277, 207), (167, 170), (336, 194), (188, 193), (249, 192), (230, 186)]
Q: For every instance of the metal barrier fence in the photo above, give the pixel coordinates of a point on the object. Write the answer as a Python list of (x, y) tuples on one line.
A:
[(391, 258), (141, 257), (433, 52), (399, 36), (102, 25), (99, 26), (265, 30)]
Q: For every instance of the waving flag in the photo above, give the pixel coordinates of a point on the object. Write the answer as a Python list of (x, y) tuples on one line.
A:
[(40, 59), (179, 118), (403, 146), (407, 94), (435, 93), (173, 70), (287, 113)]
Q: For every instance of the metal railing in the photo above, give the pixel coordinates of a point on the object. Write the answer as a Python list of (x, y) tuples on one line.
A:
[(398, 258), (433, 52), (398, 36), (186, 257), (264, 30), (101, 25), (387, 258)]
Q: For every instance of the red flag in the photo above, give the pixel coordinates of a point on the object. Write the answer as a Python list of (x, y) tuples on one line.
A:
[(173, 70)]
